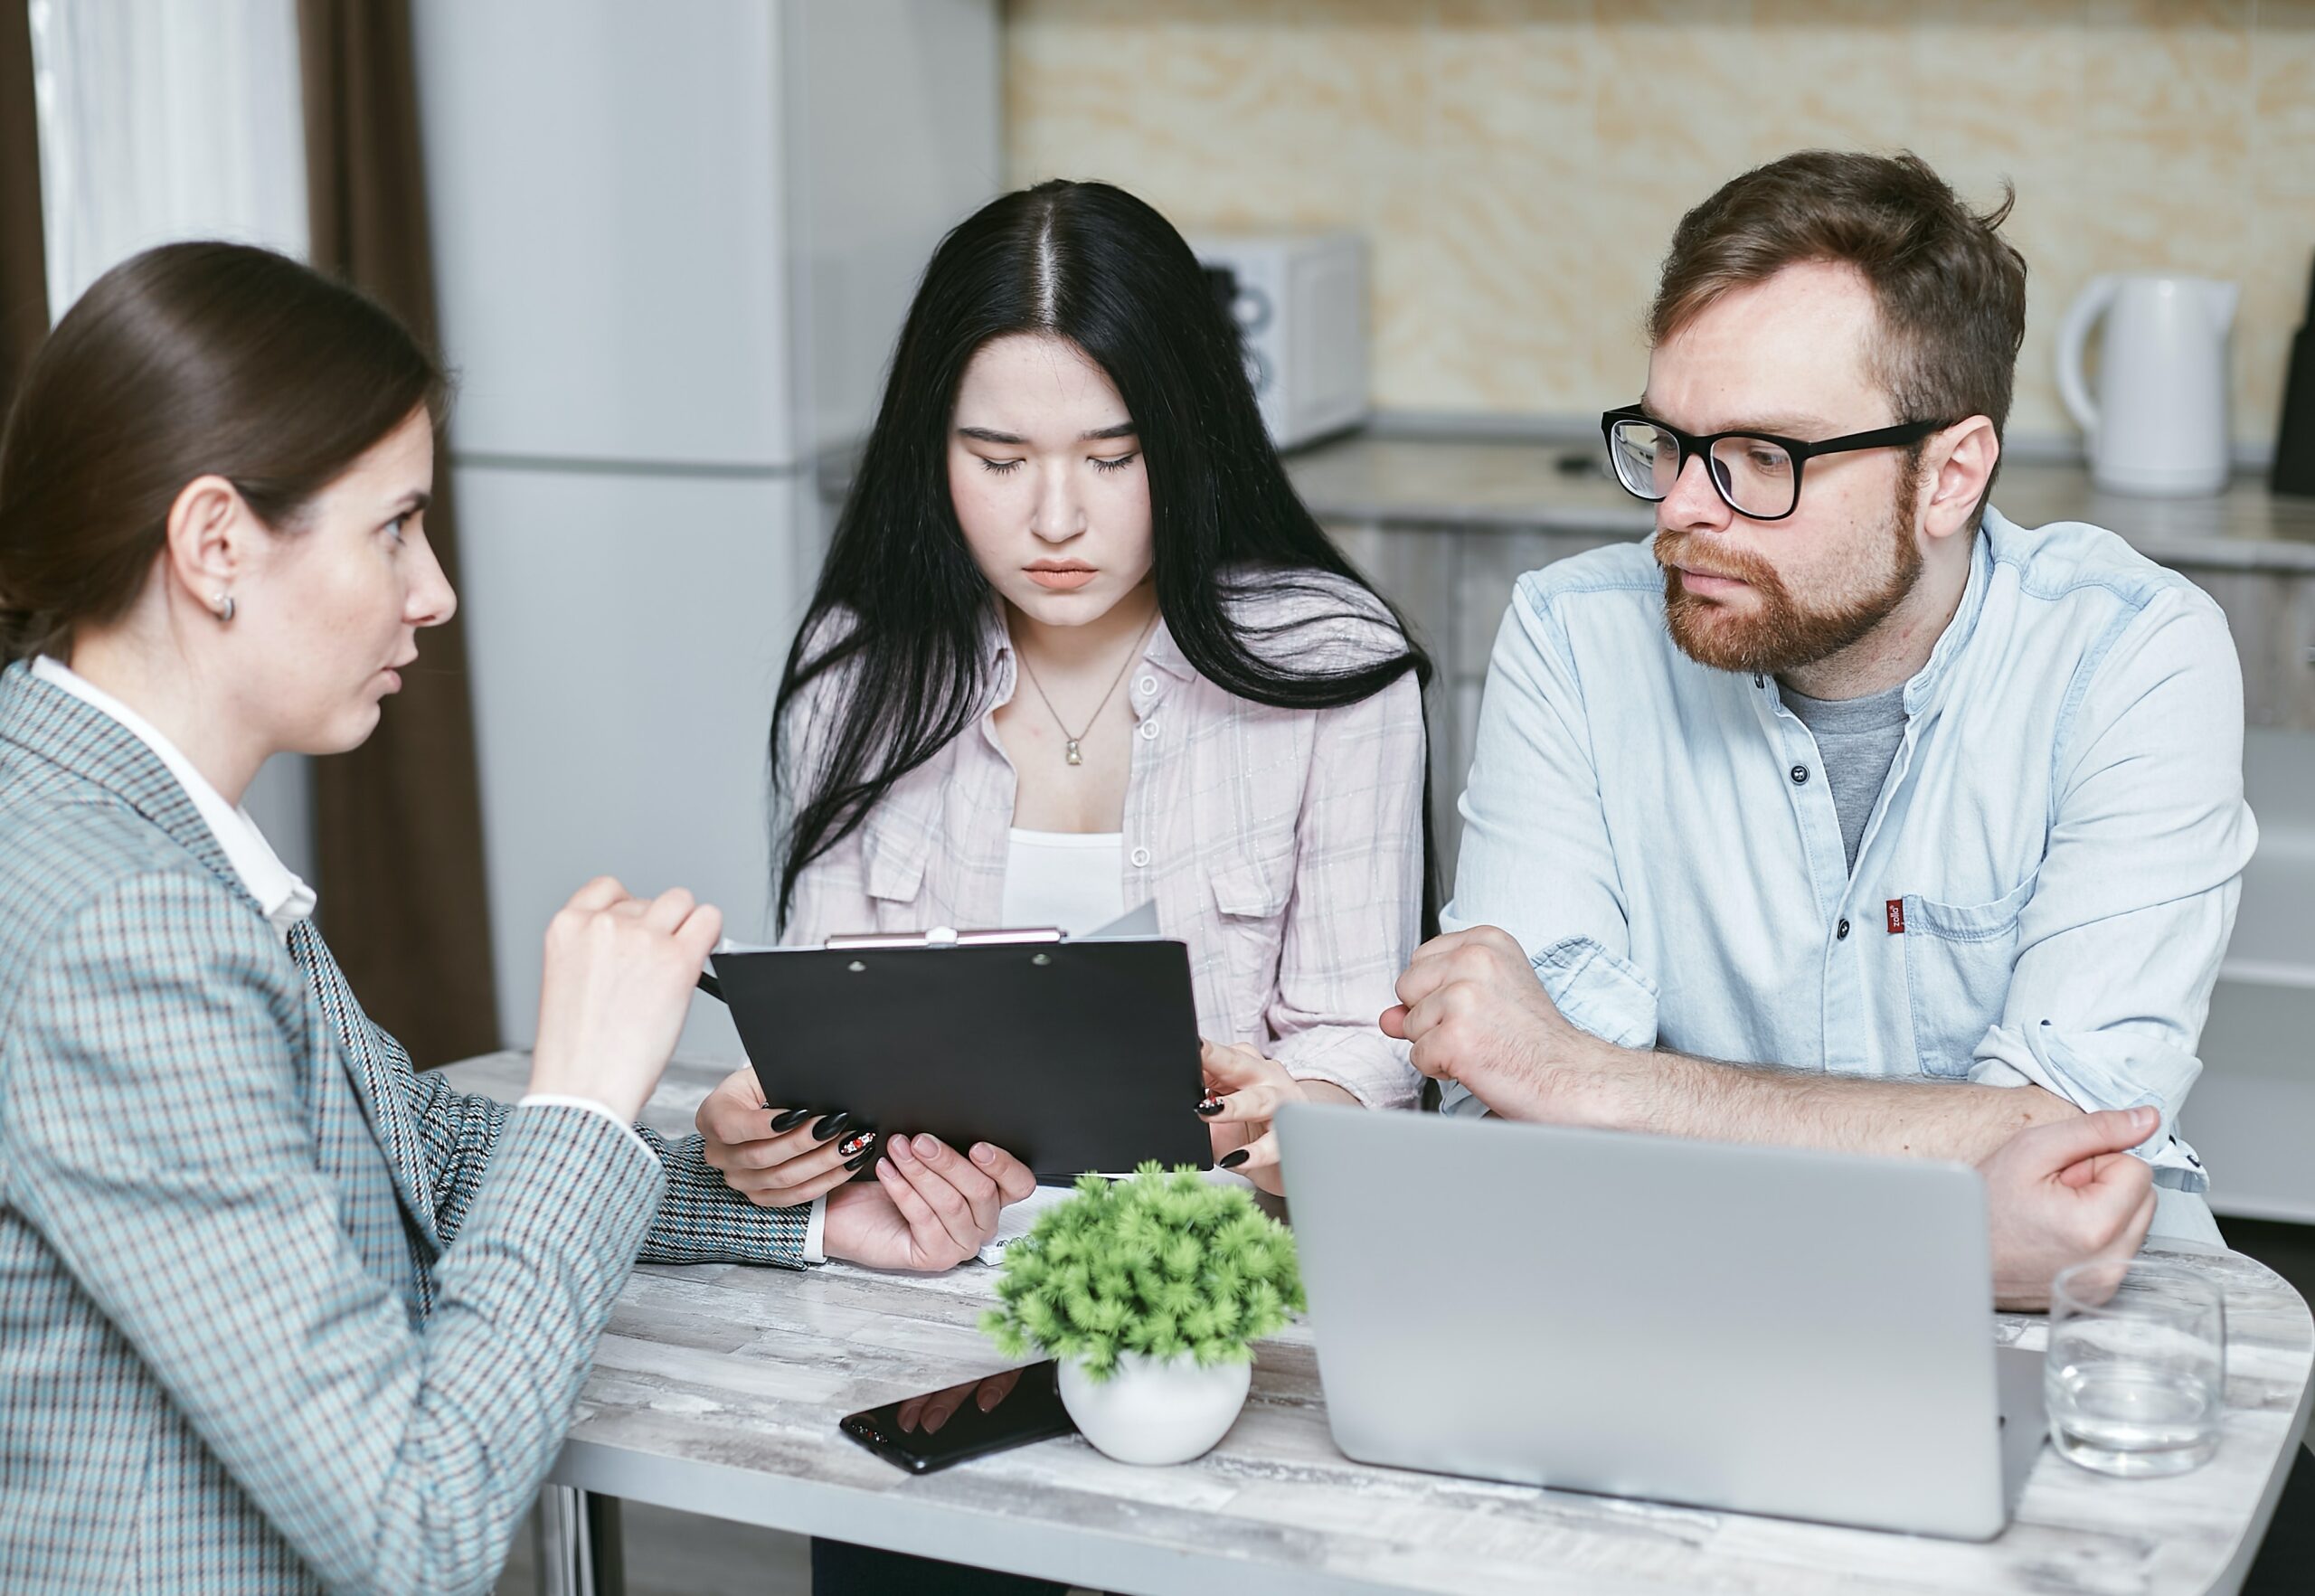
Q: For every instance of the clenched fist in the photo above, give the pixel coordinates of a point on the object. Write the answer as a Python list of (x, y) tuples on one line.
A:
[(620, 974)]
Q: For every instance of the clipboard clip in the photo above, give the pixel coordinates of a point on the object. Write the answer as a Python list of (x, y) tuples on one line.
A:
[(944, 936), (940, 936)]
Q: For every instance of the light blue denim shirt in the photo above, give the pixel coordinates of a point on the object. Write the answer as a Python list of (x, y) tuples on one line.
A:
[(2044, 888)]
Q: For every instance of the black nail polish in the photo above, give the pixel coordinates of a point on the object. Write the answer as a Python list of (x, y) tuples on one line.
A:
[(790, 1121), (1231, 1160), (855, 1163), (1209, 1105), (829, 1126), (857, 1142)]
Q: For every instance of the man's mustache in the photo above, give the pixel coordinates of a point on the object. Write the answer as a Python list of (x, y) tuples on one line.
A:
[(1676, 548)]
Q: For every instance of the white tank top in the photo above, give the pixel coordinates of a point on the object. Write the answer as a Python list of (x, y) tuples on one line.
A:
[(1073, 880)]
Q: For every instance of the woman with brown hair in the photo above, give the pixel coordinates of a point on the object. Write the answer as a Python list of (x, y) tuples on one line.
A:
[(277, 1313)]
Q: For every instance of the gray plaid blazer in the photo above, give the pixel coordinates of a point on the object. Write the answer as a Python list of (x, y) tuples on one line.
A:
[(276, 1313)]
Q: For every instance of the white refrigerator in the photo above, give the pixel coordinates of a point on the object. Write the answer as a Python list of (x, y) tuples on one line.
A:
[(674, 243)]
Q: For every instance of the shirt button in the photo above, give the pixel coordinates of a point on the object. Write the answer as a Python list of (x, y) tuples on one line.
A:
[(1800, 775), (1149, 730), (1840, 932), (1141, 858), (1146, 687)]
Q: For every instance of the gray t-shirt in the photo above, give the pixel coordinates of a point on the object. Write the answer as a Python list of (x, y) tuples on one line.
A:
[(1858, 739)]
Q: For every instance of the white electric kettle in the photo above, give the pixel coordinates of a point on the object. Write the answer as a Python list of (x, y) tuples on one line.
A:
[(2158, 426)]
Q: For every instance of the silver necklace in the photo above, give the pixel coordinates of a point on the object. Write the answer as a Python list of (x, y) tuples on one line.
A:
[(1071, 753)]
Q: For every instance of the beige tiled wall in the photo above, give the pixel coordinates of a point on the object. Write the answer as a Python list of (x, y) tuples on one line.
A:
[(1518, 164)]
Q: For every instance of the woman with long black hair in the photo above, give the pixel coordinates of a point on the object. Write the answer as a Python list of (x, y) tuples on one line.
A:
[(1077, 645)]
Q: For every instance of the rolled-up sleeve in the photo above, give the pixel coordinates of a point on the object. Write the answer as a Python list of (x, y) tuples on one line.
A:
[(1357, 909), (1536, 859), (2121, 943)]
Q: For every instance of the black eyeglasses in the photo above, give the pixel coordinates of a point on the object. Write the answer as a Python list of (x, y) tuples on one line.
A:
[(1756, 474)]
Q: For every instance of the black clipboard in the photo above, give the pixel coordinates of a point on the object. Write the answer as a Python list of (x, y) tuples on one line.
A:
[(1072, 1056)]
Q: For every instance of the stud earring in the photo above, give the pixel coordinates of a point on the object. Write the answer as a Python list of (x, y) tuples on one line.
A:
[(224, 608)]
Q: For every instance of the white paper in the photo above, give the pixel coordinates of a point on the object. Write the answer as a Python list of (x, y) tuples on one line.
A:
[(1019, 1219), (1137, 924)]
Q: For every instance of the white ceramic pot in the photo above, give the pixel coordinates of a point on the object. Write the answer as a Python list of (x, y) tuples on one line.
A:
[(1151, 1412)]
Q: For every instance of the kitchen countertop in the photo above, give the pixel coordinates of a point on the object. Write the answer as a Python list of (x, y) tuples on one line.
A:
[(717, 1389), (1449, 483)]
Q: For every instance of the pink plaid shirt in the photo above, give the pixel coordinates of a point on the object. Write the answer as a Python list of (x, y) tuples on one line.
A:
[(1283, 847)]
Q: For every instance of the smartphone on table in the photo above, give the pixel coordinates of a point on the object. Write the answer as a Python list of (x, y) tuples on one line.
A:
[(922, 1433)]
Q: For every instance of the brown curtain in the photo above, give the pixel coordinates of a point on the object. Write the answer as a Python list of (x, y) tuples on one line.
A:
[(23, 262), (398, 822)]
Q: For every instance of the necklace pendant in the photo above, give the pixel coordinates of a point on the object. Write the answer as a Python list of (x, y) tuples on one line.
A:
[(1073, 756)]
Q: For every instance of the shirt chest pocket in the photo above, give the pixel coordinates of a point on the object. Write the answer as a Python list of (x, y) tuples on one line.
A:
[(894, 842), (1958, 962), (1251, 892)]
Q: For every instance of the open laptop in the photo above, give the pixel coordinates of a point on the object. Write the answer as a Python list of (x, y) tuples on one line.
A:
[(1763, 1329)]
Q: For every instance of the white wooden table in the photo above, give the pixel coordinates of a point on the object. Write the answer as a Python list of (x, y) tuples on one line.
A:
[(717, 1389)]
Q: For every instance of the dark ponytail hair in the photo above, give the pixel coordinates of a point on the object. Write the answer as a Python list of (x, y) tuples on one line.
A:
[(185, 361), (901, 606)]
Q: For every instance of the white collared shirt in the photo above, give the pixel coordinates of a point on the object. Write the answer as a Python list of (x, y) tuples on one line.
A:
[(285, 898)]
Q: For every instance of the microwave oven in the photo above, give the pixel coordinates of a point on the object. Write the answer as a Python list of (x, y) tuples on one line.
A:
[(1300, 303)]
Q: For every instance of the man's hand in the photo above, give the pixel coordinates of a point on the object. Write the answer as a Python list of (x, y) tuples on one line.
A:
[(776, 1157), (2066, 1193), (930, 1209), (1476, 1014)]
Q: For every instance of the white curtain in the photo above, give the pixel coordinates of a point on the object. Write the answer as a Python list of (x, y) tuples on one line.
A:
[(164, 119)]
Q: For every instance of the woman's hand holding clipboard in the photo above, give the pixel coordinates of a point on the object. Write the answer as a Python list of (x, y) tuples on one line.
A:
[(1073, 1054)]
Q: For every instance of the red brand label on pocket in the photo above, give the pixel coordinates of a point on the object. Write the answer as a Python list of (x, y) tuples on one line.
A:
[(1896, 907)]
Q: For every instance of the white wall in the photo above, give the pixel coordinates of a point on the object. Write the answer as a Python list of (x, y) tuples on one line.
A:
[(627, 635), (2251, 1113), (673, 246), (895, 115), (609, 229)]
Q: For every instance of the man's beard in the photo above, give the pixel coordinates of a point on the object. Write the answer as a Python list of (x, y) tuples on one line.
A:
[(1783, 635)]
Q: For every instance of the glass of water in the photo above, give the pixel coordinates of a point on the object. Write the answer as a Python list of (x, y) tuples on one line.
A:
[(2136, 1371)]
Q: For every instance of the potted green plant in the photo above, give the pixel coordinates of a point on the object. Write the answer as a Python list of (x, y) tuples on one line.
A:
[(1149, 1294)]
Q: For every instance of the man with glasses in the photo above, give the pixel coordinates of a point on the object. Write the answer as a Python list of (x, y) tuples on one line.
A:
[(1844, 812)]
